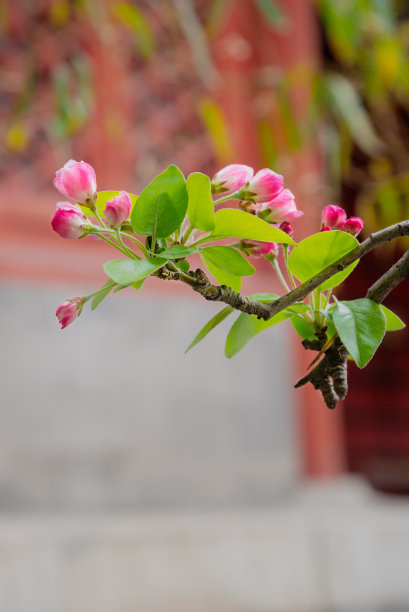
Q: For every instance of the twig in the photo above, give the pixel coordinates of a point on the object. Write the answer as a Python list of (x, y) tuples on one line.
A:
[(334, 363)]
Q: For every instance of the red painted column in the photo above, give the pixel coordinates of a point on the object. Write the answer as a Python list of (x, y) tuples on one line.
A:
[(251, 56)]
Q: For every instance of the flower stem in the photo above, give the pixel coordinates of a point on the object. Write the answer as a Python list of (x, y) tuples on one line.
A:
[(231, 196), (277, 269), (138, 242), (290, 276), (130, 252)]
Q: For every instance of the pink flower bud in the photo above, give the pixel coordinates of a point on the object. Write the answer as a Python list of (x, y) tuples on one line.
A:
[(259, 249), (334, 216), (68, 311), (117, 210), (263, 187), (353, 226), (326, 228), (69, 221), (231, 178), (282, 208), (287, 228), (77, 180), (69, 206)]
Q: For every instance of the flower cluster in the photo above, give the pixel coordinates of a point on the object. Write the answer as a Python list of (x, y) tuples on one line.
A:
[(77, 181), (261, 195), (335, 218)]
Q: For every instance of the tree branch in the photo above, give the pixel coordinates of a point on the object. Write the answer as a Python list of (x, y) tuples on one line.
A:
[(395, 275), (330, 375), (334, 363), (200, 283), (374, 240)]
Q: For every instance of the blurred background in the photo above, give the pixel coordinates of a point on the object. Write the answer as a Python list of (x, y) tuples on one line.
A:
[(134, 477)]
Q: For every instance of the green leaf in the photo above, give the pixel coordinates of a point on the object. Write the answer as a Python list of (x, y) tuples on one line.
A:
[(228, 259), (260, 297), (393, 322), (222, 276), (137, 285), (231, 222), (210, 325), (128, 271), (200, 210), (361, 326), (302, 328), (177, 251), (317, 252), (101, 295), (102, 199), (183, 265), (162, 205), (245, 328)]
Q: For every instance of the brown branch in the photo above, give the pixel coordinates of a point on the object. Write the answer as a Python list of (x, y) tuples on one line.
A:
[(374, 240), (334, 363), (200, 283), (330, 375), (395, 275)]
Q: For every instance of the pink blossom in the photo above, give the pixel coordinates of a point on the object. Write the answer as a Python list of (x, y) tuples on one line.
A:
[(326, 228), (287, 228), (263, 187), (231, 178), (117, 210), (282, 208), (259, 249), (77, 180), (353, 226), (69, 221), (334, 216), (68, 311)]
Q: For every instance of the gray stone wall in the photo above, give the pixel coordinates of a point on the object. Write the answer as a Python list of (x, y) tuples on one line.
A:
[(110, 414)]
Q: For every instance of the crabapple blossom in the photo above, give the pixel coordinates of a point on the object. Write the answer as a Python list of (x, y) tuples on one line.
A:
[(231, 178), (263, 187), (69, 221), (68, 311), (333, 216), (287, 228), (259, 249), (353, 226), (77, 180), (118, 209), (280, 209)]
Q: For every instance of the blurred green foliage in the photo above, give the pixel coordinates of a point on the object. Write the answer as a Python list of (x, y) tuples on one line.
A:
[(357, 103)]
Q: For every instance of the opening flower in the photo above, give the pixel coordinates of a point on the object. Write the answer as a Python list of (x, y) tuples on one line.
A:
[(280, 209), (263, 187), (333, 216), (77, 180), (68, 311), (231, 178), (69, 221), (353, 225), (118, 209)]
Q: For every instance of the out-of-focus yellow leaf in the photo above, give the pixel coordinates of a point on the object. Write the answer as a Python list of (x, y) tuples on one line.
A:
[(267, 144), (17, 137), (133, 17), (59, 12), (217, 128), (387, 60)]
